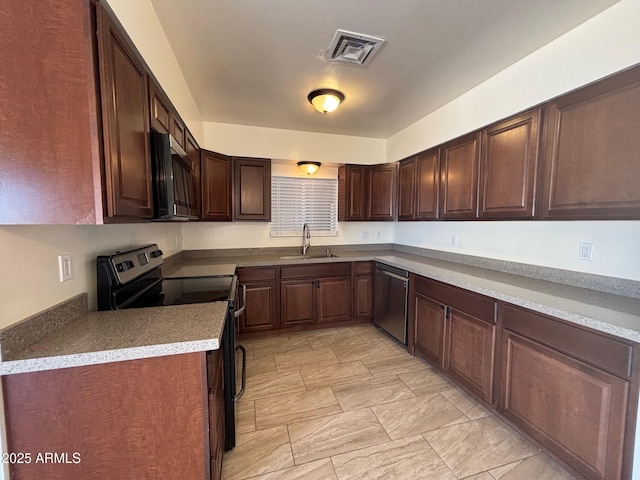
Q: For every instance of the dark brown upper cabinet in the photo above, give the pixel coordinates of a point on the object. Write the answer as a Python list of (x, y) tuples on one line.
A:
[(367, 192), (407, 173), (51, 158), (508, 167), (382, 182), (459, 177), (160, 108), (591, 152), (252, 189), (193, 152), (352, 197), (216, 177), (125, 120), (428, 185)]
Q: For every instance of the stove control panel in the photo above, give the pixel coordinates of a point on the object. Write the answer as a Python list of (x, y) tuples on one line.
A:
[(126, 265)]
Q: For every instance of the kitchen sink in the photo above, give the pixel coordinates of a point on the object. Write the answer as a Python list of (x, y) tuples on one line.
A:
[(307, 257)]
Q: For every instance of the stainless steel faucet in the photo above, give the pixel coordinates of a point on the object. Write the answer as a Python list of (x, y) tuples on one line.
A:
[(306, 238)]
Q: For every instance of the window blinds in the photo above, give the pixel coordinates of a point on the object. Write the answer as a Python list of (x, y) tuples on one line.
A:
[(296, 201)]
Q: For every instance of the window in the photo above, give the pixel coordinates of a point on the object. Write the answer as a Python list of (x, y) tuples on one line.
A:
[(296, 201)]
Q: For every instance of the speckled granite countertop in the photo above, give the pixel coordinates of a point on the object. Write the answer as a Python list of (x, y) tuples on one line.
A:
[(614, 314), (110, 336)]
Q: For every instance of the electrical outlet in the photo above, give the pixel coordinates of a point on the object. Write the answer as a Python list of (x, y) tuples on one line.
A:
[(377, 233), (586, 251), (364, 234), (64, 267), (453, 240)]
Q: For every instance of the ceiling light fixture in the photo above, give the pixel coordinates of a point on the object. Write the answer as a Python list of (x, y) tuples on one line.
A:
[(309, 167), (325, 100)]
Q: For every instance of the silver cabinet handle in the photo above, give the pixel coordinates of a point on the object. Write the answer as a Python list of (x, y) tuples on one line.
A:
[(244, 301), (244, 372)]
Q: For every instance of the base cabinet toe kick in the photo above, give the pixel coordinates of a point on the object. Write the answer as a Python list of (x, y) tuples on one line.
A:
[(571, 389)]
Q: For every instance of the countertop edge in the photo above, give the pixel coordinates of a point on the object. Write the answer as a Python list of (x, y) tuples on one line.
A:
[(105, 356)]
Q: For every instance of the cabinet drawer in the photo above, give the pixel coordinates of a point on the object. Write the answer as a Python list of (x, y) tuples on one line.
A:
[(611, 355), (362, 268), (471, 303), (315, 270), (256, 274)]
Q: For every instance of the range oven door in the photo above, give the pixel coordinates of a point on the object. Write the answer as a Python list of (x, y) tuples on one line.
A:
[(232, 350)]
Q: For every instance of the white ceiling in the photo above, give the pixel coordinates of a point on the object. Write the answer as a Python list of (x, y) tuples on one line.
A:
[(253, 62)]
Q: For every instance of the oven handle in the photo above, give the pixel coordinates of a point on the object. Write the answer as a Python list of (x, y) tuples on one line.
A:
[(139, 294), (244, 372), (244, 301)]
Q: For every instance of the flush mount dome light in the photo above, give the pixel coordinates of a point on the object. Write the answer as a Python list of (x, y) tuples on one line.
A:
[(309, 167), (325, 100)]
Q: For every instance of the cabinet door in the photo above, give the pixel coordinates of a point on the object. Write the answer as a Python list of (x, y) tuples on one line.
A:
[(125, 117), (459, 177), (574, 409), (469, 352), (161, 108), (382, 183), (407, 171), (428, 184), (352, 193), (429, 329), (591, 152), (216, 186), (252, 189), (508, 167), (297, 302), (178, 130), (334, 299), (363, 297), (193, 152), (260, 312)]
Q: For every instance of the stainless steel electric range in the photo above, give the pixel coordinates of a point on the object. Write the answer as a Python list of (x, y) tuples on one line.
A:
[(132, 278)]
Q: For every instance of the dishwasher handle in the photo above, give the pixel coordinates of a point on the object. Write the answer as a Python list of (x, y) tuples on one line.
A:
[(391, 274)]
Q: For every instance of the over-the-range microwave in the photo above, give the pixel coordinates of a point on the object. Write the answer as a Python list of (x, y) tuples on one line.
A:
[(174, 189)]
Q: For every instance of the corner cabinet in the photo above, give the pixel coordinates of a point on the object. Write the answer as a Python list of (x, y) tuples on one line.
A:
[(591, 153), (251, 189), (125, 120), (367, 193)]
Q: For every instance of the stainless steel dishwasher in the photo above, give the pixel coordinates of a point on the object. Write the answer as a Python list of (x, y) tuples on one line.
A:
[(390, 300)]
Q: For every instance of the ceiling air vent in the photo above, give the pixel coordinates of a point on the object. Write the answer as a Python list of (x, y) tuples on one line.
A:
[(353, 48)]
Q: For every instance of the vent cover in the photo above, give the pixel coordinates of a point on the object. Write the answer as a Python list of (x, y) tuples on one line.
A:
[(353, 48)]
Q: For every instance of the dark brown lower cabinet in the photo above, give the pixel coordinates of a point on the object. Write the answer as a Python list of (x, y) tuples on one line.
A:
[(469, 352), (362, 282), (569, 389), (334, 299), (454, 330), (429, 329), (144, 418), (298, 302), (261, 313)]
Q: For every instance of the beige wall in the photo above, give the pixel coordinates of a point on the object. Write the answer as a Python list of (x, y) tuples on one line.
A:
[(29, 262), (601, 46), (247, 141)]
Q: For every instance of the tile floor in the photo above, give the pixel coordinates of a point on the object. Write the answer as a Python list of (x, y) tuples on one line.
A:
[(351, 403)]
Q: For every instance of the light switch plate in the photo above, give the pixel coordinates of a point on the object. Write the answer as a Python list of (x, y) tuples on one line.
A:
[(64, 267)]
